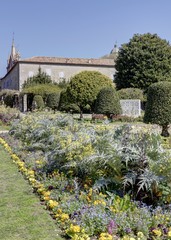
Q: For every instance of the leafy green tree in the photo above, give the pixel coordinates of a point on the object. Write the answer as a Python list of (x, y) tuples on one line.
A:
[(53, 101), (84, 87), (146, 59), (39, 78), (63, 83), (158, 106), (131, 93), (108, 102)]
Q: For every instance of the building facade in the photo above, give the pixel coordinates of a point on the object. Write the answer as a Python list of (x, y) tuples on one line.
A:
[(19, 70)]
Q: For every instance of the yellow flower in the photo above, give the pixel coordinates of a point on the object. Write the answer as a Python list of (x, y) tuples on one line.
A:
[(105, 236), (125, 237), (52, 203), (81, 237), (46, 193), (59, 211), (32, 180), (64, 217), (90, 192), (169, 234), (30, 172), (46, 198), (140, 234), (74, 228), (102, 202), (157, 232), (41, 190)]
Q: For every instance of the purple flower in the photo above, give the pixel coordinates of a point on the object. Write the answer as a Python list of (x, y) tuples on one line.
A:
[(128, 230), (112, 226)]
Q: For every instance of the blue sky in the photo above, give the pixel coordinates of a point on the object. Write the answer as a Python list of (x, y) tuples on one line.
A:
[(77, 28)]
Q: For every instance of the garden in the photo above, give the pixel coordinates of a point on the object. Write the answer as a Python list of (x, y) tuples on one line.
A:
[(98, 181), (108, 177)]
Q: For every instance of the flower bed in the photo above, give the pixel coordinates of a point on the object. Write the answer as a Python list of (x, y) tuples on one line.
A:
[(97, 182)]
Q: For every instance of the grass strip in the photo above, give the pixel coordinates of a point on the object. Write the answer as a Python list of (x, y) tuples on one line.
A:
[(21, 214)]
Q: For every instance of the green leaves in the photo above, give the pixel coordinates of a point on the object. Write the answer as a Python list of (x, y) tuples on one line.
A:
[(146, 59), (39, 78), (120, 160), (108, 102), (158, 108), (84, 87)]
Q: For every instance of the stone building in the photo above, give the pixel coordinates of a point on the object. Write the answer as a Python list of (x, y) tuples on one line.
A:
[(58, 68)]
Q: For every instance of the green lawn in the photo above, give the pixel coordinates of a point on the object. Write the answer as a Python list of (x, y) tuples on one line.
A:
[(21, 214)]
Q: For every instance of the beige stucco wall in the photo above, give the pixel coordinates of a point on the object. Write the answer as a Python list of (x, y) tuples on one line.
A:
[(11, 80), (60, 71), (22, 71)]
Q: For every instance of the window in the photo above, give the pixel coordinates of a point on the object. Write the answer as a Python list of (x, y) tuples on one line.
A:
[(30, 74), (61, 75), (48, 72)]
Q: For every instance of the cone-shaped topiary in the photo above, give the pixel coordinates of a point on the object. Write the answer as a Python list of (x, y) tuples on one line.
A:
[(38, 102), (108, 102), (53, 101), (158, 106)]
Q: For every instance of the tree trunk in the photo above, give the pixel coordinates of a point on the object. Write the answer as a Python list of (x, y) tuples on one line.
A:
[(165, 131)]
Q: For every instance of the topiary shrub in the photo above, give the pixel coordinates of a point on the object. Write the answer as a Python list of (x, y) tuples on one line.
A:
[(158, 106), (108, 102), (53, 101), (38, 102), (66, 105), (72, 108), (84, 87), (131, 93)]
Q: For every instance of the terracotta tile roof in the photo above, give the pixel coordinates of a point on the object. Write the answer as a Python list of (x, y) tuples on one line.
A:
[(73, 61)]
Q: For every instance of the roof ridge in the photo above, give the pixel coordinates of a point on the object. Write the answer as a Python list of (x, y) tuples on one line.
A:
[(67, 60)]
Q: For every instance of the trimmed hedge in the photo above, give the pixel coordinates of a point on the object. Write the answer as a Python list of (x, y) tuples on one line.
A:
[(38, 102), (42, 89), (108, 102), (131, 93), (158, 106), (53, 100)]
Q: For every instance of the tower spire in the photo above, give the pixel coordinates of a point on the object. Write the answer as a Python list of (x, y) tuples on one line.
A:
[(13, 50), (14, 56)]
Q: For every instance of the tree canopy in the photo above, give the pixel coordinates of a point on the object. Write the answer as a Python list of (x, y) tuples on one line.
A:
[(146, 59), (84, 87), (158, 107), (131, 93), (39, 78)]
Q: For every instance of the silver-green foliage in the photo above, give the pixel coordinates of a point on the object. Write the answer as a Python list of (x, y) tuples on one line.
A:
[(122, 160)]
